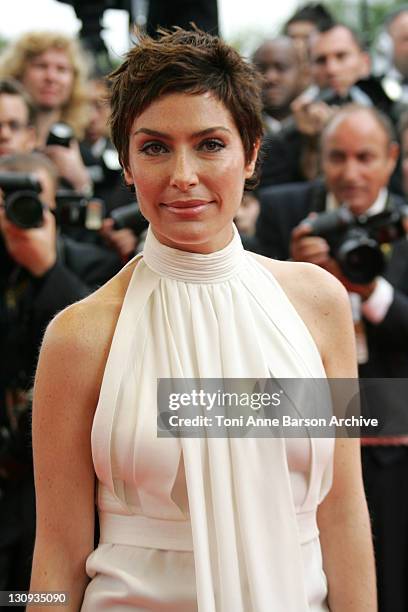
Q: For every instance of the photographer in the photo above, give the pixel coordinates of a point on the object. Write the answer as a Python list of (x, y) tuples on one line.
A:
[(53, 68), (18, 117), (41, 272), (340, 69), (359, 156), (102, 162), (310, 18)]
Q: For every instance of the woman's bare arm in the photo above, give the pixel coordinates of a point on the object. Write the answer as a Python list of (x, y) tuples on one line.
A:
[(67, 385), (343, 519)]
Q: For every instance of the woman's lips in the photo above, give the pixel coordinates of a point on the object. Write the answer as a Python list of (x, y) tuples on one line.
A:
[(186, 208)]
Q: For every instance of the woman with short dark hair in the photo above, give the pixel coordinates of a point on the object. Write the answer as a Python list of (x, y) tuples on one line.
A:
[(204, 522)]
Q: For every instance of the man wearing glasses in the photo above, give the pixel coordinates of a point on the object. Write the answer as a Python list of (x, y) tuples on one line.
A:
[(17, 119)]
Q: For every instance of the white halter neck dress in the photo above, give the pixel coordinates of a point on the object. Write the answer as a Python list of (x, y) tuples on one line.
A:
[(212, 524)]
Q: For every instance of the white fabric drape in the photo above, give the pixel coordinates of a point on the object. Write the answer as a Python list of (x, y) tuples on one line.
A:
[(221, 315)]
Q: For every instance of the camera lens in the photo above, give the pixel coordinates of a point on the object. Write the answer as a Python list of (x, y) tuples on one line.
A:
[(24, 209), (360, 259), (60, 134)]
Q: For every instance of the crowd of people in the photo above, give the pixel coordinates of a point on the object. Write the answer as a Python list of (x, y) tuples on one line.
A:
[(335, 138), (341, 143), (51, 259)]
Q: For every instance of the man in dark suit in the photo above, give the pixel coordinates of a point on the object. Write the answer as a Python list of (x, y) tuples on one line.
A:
[(339, 68), (358, 157)]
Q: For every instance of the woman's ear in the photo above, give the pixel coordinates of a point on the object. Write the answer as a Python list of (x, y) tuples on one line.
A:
[(128, 176), (250, 166)]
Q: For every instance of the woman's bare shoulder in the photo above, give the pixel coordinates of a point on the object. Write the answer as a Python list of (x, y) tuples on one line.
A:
[(306, 282), (319, 298), (75, 350), (87, 326)]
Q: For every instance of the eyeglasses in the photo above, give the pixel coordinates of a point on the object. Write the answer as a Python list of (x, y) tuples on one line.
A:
[(13, 125)]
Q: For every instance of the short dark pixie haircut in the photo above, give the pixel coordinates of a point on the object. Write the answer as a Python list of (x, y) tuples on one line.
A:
[(192, 62)]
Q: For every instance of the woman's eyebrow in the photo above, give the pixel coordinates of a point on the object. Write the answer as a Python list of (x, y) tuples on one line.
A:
[(151, 133), (216, 128), (158, 134)]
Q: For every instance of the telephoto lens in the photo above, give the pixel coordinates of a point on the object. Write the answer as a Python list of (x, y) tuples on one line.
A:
[(22, 204)]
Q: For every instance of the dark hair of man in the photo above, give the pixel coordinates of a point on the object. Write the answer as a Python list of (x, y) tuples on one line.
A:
[(11, 87), (313, 12), (348, 109), (338, 24), (182, 61), (29, 162)]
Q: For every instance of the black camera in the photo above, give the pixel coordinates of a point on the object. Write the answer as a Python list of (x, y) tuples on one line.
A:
[(330, 97), (130, 217), (21, 201), (75, 210), (60, 134), (327, 95), (355, 242)]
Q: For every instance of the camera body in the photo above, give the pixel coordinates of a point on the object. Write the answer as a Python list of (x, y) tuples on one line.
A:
[(76, 210), (355, 242), (129, 217), (60, 134), (330, 97), (22, 204)]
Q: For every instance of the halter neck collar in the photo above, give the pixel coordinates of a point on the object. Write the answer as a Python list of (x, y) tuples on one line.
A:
[(185, 266)]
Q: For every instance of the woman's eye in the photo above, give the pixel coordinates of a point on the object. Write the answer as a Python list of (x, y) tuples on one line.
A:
[(212, 145), (153, 148)]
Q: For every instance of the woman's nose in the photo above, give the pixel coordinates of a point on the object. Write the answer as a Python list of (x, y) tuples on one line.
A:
[(184, 172)]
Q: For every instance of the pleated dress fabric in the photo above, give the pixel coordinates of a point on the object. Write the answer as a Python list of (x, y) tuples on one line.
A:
[(208, 524)]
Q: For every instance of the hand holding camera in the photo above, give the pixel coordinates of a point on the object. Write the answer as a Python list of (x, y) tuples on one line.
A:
[(306, 247), (123, 241), (311, 115), (27, 226), (33, 249), (351, 248), (315, 249), (63, 149)]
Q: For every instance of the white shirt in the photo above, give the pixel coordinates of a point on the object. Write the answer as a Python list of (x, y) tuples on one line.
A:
[(377, 305)]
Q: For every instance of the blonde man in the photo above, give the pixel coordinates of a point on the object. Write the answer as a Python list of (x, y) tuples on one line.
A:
[(53, 69)]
